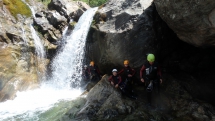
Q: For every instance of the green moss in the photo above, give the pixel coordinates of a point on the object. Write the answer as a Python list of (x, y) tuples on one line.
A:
[(94, 3), (93, 22), (45, 2), (101, 6), (17, 7), (73, 23)]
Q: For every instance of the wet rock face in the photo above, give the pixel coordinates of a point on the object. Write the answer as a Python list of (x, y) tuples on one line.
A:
[(183, 105), (123, 30), (53, 21), (68, 9), (105, 103), (17, 55), (50, 25), (192, 21)]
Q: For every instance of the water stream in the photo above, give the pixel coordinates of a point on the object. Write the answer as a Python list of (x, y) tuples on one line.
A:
[(39, 49), (53, 98), (67, 65)]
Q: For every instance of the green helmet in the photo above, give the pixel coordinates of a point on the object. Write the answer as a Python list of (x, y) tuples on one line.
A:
[(151, 57)]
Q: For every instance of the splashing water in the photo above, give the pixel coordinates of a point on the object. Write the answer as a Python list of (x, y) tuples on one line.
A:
[(36, 104), (28, 106), (41, 55), (38, 45), (64, 31), (67, 65)]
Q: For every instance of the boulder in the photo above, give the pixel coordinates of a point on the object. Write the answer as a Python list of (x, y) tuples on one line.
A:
[(84, 6), (47, 23), (104, 103), (56, 19), (123, 30), (68, 9), (192, 21)]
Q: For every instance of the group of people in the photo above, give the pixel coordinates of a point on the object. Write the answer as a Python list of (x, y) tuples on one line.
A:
[(150, 74)]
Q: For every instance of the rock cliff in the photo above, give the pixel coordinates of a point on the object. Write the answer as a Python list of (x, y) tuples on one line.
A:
[(18, 66), (192, 21), (123, 30)]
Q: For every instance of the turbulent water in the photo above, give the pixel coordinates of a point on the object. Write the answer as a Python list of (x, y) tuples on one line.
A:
[(67, 65), (53, 98)]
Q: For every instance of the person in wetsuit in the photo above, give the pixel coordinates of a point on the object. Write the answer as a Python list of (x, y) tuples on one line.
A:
[(115, 79), (150, 74), (85, 73), (94, 72), (127, 74)]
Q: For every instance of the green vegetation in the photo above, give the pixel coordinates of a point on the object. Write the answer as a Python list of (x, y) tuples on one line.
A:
[(94, 3), (17, 7), (45, 2), (72, 24)]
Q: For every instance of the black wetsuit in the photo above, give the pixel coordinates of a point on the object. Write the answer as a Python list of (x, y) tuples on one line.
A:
[(94, 73), (86, 73), (151, 73)]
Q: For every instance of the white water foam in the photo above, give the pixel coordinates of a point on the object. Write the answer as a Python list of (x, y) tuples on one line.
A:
[(67, 65), (27, 104)]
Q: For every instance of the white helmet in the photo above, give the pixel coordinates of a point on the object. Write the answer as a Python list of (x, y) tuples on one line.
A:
[(85, 66), (114, 70)]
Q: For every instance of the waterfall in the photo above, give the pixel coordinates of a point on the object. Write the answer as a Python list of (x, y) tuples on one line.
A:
[(34, 105), (67, 65), (41, 55), (37, 43), (31, 8), (39, 49), (24, 36)]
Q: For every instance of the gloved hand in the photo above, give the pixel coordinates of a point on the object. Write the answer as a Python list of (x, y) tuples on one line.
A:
[(142, 80), (116, 86), (129, 75), (112, 83)]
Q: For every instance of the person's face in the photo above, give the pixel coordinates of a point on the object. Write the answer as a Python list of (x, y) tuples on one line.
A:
[(126, 65), (85, 67), (114, 73), (151, 63)]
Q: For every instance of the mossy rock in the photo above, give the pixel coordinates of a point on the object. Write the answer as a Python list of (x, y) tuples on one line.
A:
[(45, 2), (17, 7), (72, 25)]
